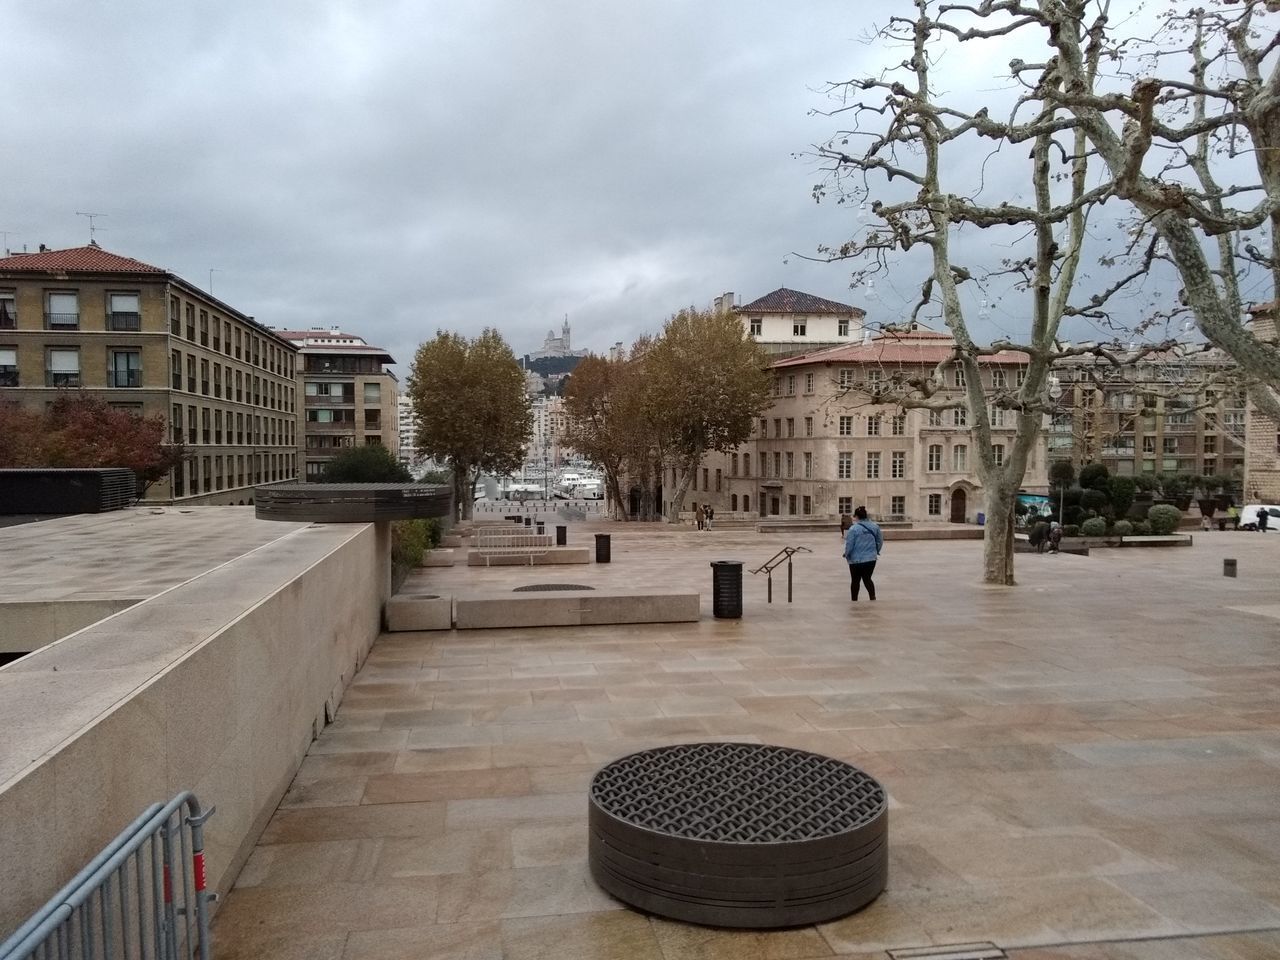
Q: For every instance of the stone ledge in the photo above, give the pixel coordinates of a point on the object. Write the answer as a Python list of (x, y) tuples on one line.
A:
[(554, 555), (575, 608), (419, 611), (438, 558)]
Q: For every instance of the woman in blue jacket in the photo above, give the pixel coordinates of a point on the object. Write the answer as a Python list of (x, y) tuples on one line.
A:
[(862, 544)]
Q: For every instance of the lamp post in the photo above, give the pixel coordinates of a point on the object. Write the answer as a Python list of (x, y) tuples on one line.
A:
[(1055, 394)]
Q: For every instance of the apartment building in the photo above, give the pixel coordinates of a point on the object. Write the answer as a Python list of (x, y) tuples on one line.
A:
[(349, 397), (1176, 412), (145, 340), (789, 322), (1262, 434), (822, 448)]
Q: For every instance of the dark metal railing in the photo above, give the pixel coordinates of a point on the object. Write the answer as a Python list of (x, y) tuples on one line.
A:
[(52, 379), (124, 378), (122, 320), (54, 320), (786, 553)]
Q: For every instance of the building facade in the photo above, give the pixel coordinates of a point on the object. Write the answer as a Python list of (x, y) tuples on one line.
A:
[(822, 448), (348, 397), (1172, 413), (142, 339), (789, 322)]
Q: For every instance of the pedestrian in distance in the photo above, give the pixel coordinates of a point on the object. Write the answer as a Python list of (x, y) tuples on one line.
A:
[(1262, 519), (700, 515), (711, 515), (1055, 536), (862, 545)]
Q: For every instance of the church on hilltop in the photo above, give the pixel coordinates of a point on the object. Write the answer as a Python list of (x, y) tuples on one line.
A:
[(557, 346)]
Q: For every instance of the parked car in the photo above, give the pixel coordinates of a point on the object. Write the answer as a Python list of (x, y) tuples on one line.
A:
[(1249, 517)]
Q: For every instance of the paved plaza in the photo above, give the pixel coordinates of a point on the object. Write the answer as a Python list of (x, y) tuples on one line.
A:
[(1086, 766)]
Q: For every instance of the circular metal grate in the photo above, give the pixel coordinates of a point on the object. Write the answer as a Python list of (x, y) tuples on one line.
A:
[(738, 793), (551, 586)]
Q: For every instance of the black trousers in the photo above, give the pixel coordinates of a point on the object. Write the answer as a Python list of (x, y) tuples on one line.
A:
[(860, 573)]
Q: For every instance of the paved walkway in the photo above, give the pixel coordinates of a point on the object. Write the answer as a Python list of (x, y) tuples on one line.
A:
[(1093, 756)]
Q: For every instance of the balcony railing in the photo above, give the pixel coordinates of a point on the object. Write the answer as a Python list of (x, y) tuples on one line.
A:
[(331, 401), (8, 320), (52, 379), (61, 321), (8, 377), (124, 378), (347, 427), (119, 320)]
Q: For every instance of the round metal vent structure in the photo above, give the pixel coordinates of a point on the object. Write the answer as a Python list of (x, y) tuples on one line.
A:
[(738, 834)]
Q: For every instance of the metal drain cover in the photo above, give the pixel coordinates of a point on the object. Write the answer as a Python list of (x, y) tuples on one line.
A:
[(551, 586), (738, 834)]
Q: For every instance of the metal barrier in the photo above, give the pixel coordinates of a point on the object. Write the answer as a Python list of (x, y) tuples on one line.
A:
[(786, 553), (143, 896), (507, 542)]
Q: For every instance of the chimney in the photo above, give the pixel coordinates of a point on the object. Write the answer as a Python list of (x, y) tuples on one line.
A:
[(43, 248)]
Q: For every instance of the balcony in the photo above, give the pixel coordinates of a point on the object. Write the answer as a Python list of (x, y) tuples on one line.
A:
[(118, 320), (124, 378), (52, 379), (61, 321), (8, 320), (8, 377), (330, 401), (343, 427)]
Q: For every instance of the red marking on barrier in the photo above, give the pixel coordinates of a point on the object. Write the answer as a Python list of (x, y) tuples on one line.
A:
[(168, 885), (197, 868)]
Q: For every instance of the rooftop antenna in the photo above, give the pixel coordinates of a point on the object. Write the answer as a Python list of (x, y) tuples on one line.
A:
[(93, 227), (212, 271), (5, 235)]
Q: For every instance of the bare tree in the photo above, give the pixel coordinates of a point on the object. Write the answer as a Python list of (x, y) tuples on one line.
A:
[(936, 173)]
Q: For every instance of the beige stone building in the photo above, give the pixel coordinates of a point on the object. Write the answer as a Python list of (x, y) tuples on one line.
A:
[(1262, 435), (349, 398), (145, 340), (790, 322), (822, 449)]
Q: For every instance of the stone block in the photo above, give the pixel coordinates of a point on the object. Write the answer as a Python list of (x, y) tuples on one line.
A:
[(438, 558), (575, 608), (451, 540), (555, 555), (419, 611)]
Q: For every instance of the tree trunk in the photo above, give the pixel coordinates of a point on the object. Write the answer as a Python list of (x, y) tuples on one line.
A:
[(463, 491), (997, 543), (673, 512)]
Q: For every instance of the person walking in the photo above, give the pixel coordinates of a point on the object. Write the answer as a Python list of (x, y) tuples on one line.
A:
[(862, 545), (1262, 519), (700, 515), (711, 515)]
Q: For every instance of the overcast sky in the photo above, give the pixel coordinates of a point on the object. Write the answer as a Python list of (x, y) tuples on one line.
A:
[(395, 168)]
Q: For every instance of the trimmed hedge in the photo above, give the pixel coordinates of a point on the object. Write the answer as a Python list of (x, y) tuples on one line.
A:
[(1123, 528), (1164, 518), (1094, 527)]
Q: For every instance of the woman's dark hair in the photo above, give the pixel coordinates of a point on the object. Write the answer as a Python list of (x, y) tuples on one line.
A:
[(861, 513)]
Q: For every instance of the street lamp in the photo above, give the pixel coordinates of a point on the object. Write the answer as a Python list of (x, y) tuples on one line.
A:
[(1055, 394)]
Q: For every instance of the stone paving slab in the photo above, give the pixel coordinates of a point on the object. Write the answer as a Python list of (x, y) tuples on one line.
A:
[(1083, 767)]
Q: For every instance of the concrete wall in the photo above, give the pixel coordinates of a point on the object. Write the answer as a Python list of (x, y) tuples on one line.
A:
[(31, 624), (216, 685)]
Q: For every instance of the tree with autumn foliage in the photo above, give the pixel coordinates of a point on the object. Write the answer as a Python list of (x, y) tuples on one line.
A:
[(469, 400), (84, 431)]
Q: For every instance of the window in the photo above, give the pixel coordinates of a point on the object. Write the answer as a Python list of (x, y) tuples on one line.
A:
[(808, 383), (204, 328), (191, 437), (62, 368), (239, 386), (175, 369), (8, 310), (764, 464), (175, 328), (8, 366), (1210, 444), (842, 328), (757, 325), (764, 428), (791, 504), (777, 463), (898, 425), (777, 386), (226, 338), (191, 373), (61, 311), (935, 457), (791, 464), (873, 380), (873, 426), (996, 415), (123, 312), (217, 380), (960, 376), (808, 426), (959, 417), (791, 426), (204, 377), (873, 465), (126, 369), (846, 426), (705, 479), (997, 454), (799, 328), (746, 504), (845, 505), (935, 418), (191, 335), (844, 468), (217, 426), (733, 464), (998, 379), (238, 342), (746, 466), (960, 458), (935, 504), (1170, 444), (898, 506), (719, 479), (791, 385), (1021, 377), (845, 377), (373, 393), (808, 466), (898, 465), (206, 431), (777, 426), (807, 505)]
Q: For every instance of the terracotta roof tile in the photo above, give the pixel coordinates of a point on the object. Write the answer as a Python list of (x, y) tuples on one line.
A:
[(917, 348), (89, 259), (783, 300)]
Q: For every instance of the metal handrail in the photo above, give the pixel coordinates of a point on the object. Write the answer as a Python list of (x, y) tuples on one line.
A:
[(786, 553)]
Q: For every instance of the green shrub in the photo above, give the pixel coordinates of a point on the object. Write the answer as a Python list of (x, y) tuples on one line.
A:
[(1164, 518), (1070, 530), (1095, 500), (371, 463), (1142, 529), (1094, 476), (410, 540), (1073, 516), (1062, 473), (1073, 496), (1122, 491), (1146, 482), (1123, 528), (1094, 527)]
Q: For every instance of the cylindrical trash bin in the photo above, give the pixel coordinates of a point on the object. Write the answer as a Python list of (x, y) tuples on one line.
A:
[(1228, 567), (562, 535), (603, 547), (726, 589), (982, 519)]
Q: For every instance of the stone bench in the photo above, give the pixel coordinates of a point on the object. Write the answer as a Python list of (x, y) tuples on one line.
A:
[(419, 611), (553, 555), (571, 608)]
